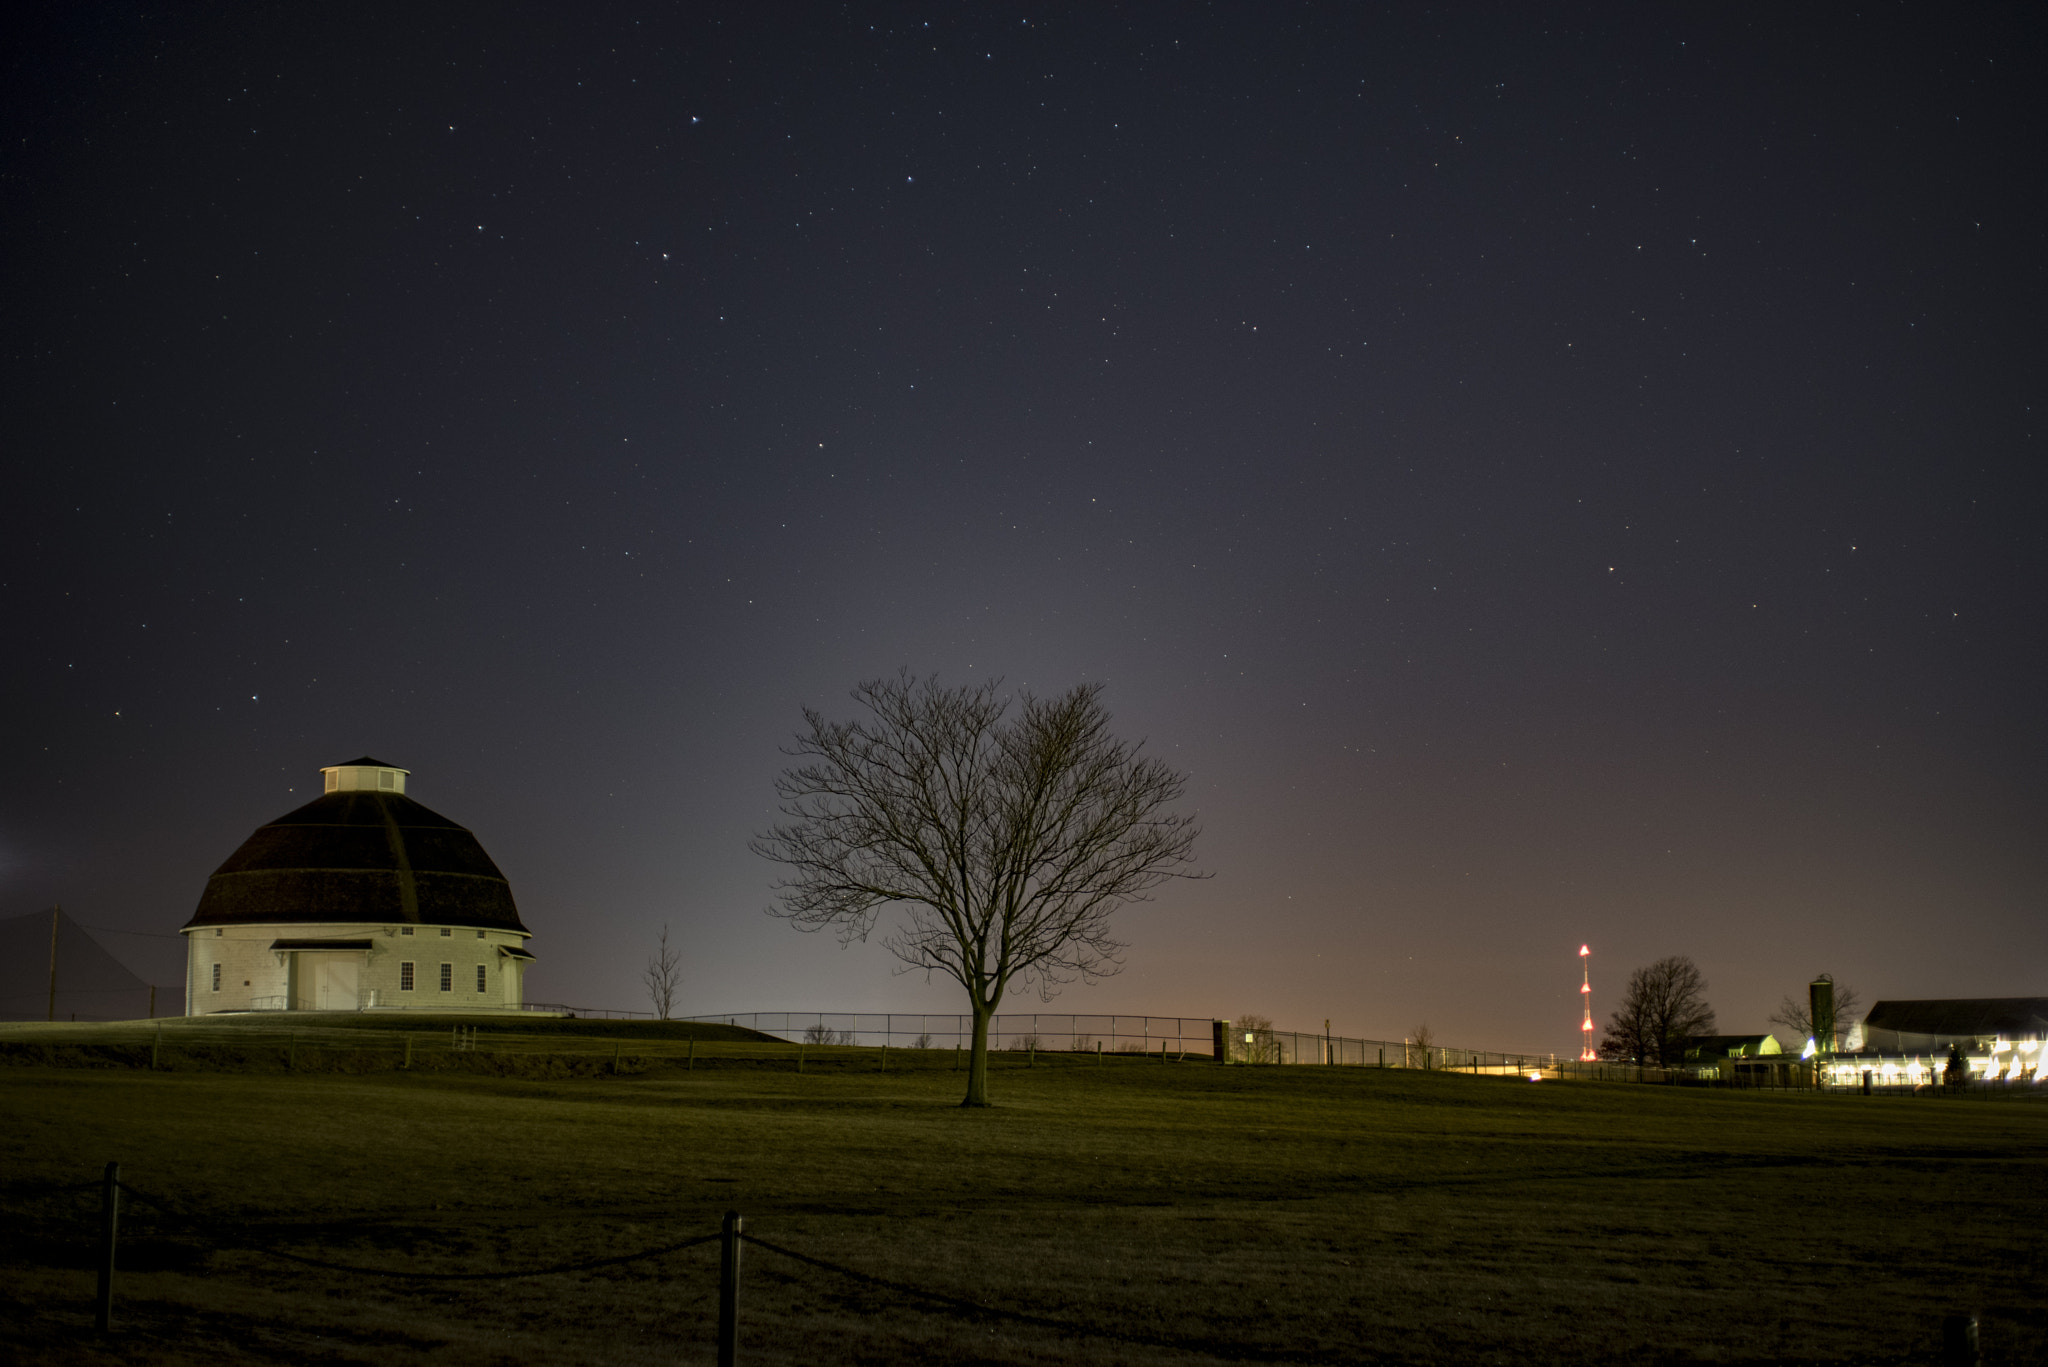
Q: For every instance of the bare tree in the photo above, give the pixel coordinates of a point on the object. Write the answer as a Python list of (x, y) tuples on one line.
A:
[(1253, 1035), (1005, 842), (1420, 1042), (1797, 1016), (664, 977), (1663, 1009), (822, 1034)]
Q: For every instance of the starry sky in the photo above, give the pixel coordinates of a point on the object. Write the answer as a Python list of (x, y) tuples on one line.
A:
[(1549, 475)]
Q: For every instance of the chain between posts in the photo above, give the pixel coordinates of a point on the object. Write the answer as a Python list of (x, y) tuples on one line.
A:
[(1960, 1333)]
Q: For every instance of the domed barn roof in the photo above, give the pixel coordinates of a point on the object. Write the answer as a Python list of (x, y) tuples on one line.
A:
[(362, 852)]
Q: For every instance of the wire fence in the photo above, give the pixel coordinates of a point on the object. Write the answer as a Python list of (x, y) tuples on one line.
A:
[(1041, 1032), (847, 1039), (214, 1234), (1960, 1333)]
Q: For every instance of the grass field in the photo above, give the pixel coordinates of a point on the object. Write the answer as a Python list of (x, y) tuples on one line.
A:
[(1157, 1213)]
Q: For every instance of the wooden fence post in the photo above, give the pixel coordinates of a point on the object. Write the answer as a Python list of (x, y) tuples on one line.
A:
[(729, 1290), (617, 1046), (407, 1065), (885, 1058), (110, 1215), (799, 1057), (291, 1054), (155, 1047), (691, 1066), (1098, 1053)]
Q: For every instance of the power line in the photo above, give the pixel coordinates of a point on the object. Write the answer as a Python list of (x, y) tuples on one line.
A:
[(110, 930)]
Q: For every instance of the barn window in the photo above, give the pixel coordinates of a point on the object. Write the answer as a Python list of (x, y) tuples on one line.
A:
[(405, 976), (405, 930), (445, 932), (216, 977), (333, 779), (479, 977), (479, 935), (447, 977), (386, 779)]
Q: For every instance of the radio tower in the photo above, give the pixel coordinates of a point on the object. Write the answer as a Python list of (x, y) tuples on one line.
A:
[(1586, 1054)]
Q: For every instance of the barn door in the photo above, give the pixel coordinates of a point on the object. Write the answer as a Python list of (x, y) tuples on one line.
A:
[(335, 982)]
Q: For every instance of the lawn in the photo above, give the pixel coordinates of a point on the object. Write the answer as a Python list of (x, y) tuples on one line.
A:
[(1152, 1213)]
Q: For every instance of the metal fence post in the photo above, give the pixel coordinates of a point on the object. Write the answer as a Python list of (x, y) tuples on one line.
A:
[(729, 1290), (110, 1216)]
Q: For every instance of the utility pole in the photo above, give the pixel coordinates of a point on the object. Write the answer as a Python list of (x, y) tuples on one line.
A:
[(55, 912)]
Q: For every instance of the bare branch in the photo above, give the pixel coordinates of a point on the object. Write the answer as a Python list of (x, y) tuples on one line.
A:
[(1005, 844), (1664, 1008), (664, 977)]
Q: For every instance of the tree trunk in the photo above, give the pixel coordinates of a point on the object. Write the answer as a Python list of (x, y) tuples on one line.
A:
[(977, 1059)]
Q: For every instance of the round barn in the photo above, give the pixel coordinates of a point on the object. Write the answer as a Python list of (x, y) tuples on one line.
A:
[(360, 900)]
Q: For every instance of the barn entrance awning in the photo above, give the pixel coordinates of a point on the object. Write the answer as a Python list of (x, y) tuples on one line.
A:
[(509, 952), (319, 944)]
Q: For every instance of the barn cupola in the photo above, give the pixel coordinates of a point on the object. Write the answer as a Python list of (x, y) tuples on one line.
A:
[(365, 775)]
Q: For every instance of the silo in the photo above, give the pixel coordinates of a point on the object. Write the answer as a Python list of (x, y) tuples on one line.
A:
[(1820, 996)]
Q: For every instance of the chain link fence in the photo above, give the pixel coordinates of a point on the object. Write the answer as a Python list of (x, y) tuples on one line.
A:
[(1038, 1032)]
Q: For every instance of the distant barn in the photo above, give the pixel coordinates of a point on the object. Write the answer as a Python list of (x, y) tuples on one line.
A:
[(360, 900), (1931, 1027)]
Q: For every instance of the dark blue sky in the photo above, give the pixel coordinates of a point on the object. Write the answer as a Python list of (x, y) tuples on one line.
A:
[(1549, 474)]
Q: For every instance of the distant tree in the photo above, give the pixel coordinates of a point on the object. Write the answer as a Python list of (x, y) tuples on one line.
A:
[(1420, 1041), (664, 977), (817, 1032), (1797, 1016), (1252, 1039), (1007, 842), (1956, 1072), (1662, 1011)]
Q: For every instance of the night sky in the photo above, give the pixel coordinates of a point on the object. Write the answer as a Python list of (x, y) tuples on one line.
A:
[(1549, 475)]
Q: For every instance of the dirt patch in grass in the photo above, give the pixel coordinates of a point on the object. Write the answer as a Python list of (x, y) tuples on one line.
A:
[(1119, 1213)]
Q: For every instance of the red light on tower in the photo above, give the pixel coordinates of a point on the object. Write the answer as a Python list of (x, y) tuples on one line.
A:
[(1586, 1054)]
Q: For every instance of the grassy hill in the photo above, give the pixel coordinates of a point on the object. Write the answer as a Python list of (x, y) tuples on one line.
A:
[(1130, 1212)]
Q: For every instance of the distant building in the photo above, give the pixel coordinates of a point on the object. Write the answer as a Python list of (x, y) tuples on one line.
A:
[(1930, 1027), (1899, 1042), (1711, 1049), (1732, 1058), (360, 900)]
